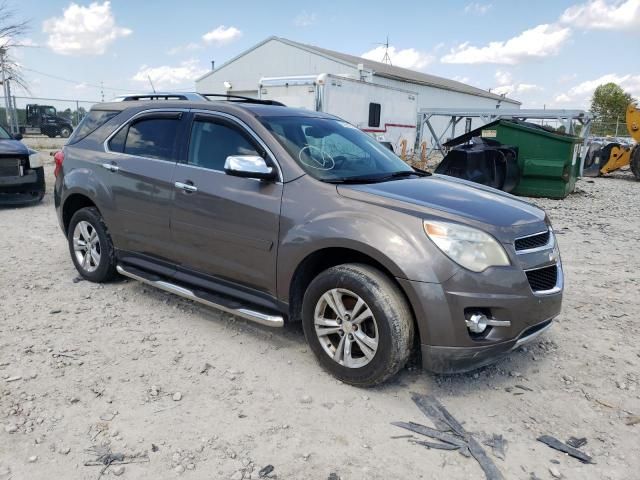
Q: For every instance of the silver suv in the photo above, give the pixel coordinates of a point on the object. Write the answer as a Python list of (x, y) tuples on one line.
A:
[(282, 215)]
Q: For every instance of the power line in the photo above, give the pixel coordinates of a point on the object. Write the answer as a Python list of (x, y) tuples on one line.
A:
[(75, 82)]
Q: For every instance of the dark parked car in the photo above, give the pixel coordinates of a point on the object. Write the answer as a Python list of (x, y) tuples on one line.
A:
[(21, 172), (283, 215)]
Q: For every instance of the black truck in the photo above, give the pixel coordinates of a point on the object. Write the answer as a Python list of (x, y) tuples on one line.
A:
[(44, 119)]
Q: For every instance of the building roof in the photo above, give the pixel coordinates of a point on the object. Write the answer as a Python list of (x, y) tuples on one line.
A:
[(382, 70)]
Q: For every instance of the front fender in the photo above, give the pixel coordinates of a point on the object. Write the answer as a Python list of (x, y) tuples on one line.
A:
[(315, 218)]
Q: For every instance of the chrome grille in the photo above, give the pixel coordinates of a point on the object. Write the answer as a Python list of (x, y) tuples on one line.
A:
[(533, 241)]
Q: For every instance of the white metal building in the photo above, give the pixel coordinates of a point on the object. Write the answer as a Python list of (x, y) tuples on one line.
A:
[(277, 56)]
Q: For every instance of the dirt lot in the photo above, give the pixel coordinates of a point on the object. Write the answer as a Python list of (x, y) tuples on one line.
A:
[(204, 395)]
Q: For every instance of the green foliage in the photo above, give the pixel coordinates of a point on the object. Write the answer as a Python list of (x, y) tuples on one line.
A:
[(608, 106)]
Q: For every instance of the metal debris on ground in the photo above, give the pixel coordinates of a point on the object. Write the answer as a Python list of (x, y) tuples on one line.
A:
[(524, 387), (266, 471), (577, 442), (105, 457), (563, 447), (451, 434), (498, 445)]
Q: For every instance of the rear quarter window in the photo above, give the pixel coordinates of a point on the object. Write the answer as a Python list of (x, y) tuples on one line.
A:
[(92, 121)]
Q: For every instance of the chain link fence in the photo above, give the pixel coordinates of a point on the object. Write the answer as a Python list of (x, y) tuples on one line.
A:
[(27, 115), (609, 129)]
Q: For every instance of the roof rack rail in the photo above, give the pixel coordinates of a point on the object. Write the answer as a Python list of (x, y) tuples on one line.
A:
[(241, 99)]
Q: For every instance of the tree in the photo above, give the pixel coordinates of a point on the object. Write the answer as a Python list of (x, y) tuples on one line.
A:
[(11, 30), (608, 106)]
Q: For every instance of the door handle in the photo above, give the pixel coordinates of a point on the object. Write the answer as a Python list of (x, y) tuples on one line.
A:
[(112, 167), (187, 187)]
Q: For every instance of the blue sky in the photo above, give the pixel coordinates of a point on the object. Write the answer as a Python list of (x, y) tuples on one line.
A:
[(541, 52)]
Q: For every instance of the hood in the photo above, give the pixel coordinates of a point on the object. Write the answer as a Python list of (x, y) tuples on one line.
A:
[(14, 147), (450, 197)]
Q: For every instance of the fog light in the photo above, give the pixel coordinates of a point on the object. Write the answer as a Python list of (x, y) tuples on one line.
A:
[(477, 323)]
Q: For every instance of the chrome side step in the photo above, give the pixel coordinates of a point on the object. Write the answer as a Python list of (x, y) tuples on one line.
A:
[(258, 317)]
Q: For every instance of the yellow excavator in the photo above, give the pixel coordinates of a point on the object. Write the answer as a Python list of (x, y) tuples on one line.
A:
[(602, 159)]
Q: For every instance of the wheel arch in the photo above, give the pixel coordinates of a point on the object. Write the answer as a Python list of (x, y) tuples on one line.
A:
[(72, 204), (322, 259)]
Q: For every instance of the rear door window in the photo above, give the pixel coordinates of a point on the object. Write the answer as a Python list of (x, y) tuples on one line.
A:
[(154, 137), (212, 141)]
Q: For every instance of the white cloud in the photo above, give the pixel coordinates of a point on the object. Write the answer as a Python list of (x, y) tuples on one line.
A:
[(83, 30), (304, 19), (528, 87), (406, 58), (477, 8), (581, 93), (603, 15), (502, 77), (170, 76), (189, 47), (538, 42), (460, 79), (516, 88), (222, 35)]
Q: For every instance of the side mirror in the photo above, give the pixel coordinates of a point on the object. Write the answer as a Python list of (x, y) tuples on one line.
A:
[(17, 136), (249, 166)]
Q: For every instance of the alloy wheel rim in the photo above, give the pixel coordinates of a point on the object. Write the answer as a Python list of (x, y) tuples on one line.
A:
[(346, 328), (86, 246)]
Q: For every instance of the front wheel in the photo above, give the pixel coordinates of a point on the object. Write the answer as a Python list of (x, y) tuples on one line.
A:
[(358, 323), (90, 246), (65, 132)]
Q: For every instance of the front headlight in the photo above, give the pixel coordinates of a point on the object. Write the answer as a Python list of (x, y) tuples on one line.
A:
[(469, 247)]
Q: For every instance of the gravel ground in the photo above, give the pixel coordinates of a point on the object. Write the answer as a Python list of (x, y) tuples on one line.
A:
[(188, 392)]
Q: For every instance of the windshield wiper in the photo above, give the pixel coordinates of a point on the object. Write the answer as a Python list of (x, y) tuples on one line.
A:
[(362, 179), (406, 173), (377, 178)]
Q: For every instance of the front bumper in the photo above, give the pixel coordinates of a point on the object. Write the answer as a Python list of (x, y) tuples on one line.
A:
[(441, 359), (24, 189), (447, 346)]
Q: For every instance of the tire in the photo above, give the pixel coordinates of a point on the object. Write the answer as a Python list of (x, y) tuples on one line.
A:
[(87, 227), (635, 161), (65, 132), (389, 327)]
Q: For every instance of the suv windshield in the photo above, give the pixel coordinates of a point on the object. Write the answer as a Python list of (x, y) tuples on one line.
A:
[(4, 135), (335, 151)]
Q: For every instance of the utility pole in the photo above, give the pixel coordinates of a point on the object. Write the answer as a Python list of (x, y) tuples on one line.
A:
[(617, 124), (7, 99), (101, 91)]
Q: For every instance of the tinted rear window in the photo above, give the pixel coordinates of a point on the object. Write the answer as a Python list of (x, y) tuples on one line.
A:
[(93, 120), (152, 138)]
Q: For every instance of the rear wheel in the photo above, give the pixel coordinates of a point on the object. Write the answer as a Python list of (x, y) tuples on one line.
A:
[(358, 324), (90, 246)]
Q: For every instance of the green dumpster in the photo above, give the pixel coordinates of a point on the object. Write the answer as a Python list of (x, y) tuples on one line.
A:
[(549, 161)]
